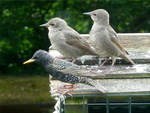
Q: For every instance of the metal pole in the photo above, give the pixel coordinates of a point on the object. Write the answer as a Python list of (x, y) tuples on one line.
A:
[(107, 104), (83, 104), (130, 108)]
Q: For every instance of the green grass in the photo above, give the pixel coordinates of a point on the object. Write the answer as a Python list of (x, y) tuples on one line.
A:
[(23, 90)]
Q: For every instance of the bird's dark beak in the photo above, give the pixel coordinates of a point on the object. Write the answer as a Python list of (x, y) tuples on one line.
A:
[(29, 61), (44, 25), (87, 13)]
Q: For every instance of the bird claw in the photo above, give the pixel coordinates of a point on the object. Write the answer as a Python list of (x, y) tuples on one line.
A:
[(64, 93), (68, 91)]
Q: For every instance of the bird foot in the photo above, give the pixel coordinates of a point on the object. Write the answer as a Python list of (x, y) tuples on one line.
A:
[(68, 92), (64, 93)]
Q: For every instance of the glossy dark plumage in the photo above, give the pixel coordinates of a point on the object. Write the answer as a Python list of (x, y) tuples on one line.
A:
[(63, 70)]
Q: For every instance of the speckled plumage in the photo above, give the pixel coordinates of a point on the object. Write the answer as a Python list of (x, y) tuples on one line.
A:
[(66, 40), (104, 38), (63, 70)]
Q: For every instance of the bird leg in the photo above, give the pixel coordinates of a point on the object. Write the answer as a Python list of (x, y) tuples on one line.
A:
[(111, 67), (74, 60), (106, 60), (67, 92), (113, 62)]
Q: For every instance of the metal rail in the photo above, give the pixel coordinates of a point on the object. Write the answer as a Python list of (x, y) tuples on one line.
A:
[(108, 104)]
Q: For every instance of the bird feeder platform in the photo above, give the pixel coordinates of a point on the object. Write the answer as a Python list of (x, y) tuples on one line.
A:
[(125, 79)]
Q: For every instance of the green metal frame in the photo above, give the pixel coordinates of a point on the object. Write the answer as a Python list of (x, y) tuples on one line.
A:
[(108, 104)]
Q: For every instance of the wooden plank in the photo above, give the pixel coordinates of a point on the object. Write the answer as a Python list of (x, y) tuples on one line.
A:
[(123, 80), (114, 86)]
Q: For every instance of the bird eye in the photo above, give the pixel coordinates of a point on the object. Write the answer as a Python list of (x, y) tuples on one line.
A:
[(52, 24), (94, 14)]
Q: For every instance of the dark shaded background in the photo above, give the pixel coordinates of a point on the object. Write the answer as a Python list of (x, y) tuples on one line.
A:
[(21, 36)]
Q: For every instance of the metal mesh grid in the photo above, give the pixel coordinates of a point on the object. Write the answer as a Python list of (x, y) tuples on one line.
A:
[(107, 104)]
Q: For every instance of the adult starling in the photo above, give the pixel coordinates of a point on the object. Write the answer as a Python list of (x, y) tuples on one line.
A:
[(63, 70), (66, 40), (104, 38)]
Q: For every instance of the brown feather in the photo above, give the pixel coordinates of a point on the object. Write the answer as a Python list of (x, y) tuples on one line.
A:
[(114, 39), (78, 42)]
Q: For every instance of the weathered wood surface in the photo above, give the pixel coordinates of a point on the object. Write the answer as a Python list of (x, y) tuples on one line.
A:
[(125, 78), (114, 86)]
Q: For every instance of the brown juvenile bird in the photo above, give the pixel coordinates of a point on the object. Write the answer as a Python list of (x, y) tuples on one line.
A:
[(64, 71), (66, 40), (104, 39)]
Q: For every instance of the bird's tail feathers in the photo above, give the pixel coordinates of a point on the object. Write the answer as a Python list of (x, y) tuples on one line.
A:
[(126, 58), (97, 85)]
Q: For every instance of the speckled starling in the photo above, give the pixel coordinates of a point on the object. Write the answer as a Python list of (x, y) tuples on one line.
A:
[(104, 38), (66, 40), (63, 70)]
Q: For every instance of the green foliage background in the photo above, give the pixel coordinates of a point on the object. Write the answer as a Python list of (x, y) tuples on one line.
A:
[(21, 36)]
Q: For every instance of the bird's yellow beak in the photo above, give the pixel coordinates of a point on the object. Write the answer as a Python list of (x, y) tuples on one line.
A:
[(29, 61)]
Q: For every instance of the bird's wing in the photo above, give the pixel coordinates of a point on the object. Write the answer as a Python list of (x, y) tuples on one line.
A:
[(66, 67), (75, 40), (114, 38)]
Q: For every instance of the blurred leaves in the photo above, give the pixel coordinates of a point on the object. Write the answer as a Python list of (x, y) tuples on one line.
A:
[(21, 36)]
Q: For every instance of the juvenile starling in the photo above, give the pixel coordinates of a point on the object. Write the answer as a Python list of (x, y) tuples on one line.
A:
[(63, 70), (104, 38), (66, 40)]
